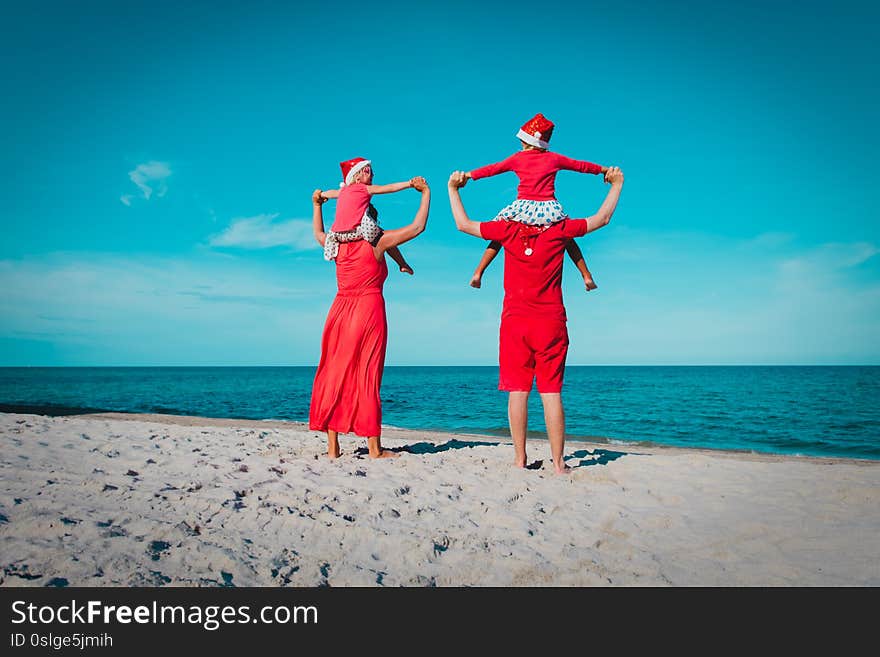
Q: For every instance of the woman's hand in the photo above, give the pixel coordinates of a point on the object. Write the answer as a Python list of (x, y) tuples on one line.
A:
[(614, 176), (419, 183), (317, 199), (458, 179)]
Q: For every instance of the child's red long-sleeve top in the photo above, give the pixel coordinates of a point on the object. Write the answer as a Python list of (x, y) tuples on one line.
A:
[(537, 172)]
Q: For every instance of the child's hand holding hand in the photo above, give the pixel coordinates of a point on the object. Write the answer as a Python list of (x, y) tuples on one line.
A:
[(317, 198), (419, 183)]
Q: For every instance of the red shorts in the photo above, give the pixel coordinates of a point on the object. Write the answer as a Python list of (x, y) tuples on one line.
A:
[(532, 348)]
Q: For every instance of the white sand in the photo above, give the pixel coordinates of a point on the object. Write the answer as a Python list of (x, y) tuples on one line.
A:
[(116, 500)]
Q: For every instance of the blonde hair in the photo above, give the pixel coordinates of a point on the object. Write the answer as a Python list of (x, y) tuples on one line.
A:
[(529, 147)]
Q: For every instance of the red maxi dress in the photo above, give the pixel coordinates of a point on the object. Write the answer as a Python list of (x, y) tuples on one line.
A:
[(345, 395)]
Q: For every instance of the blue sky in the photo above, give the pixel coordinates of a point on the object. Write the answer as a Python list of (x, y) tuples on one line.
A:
[(159, 161)]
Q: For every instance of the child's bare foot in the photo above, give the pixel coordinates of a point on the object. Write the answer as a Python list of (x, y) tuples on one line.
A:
[(476, 282), (589, 284), (406, 269)]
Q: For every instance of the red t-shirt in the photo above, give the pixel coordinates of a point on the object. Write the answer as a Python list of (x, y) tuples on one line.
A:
[(537, 172), (533, 283), (351, 205)]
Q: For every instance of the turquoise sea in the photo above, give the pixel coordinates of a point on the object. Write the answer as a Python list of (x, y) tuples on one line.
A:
[(817, 411)]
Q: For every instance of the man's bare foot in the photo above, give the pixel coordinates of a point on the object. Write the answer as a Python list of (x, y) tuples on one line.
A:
[(406, 269), (589, 284), (476, 282), (384, 454), (564, 470)]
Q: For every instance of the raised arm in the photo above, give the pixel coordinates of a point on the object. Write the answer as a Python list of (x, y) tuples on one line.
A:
[(318, 216), (391, 187), (490, 169), (464, 223), (397, 236), (581, 166), (614, 176), (329, 193)]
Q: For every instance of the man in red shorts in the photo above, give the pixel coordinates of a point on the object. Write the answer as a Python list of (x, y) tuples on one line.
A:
[(534, 339)]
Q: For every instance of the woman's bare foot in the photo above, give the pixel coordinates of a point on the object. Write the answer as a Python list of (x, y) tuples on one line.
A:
[(406, 269), (333, 451), (589, 284), (375, 451), (476, 281), (384, 454)]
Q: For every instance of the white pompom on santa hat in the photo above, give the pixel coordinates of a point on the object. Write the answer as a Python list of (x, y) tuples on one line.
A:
[(351, 168), (537, 131)]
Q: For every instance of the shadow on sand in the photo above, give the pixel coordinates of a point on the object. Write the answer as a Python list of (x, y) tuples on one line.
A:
[(431, 448), (586, 458)]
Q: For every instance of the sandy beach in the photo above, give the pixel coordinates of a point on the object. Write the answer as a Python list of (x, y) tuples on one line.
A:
[(151, 500)]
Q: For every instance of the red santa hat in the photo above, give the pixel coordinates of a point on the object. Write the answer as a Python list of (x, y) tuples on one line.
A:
[(351, 168), (537, 131)]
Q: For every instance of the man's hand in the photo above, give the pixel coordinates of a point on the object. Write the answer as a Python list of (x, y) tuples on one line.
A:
[(614, 176), (457, 180), (317, 199), (419, 183)]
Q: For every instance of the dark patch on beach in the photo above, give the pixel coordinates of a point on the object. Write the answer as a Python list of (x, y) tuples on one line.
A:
[(432, 448), (403, 490), (190, 530), (114, 532), (243, 468), (157, 548), (348, 518), (101, 523), (227, 579), (70, 521), (22, 571), (150, 461), (57, 582), (441, 545), (51, 481), (3, 519), (109, 487), (279, 471), (596, 457), (537, 465), (159, 578), (132, 473), (18, 500)]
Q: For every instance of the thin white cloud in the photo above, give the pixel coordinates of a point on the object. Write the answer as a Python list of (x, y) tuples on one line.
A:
[(150, 178), (832, 256), (263, 232)]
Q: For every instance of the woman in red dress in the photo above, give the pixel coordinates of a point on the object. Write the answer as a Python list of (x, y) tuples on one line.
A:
[(345, 395)]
